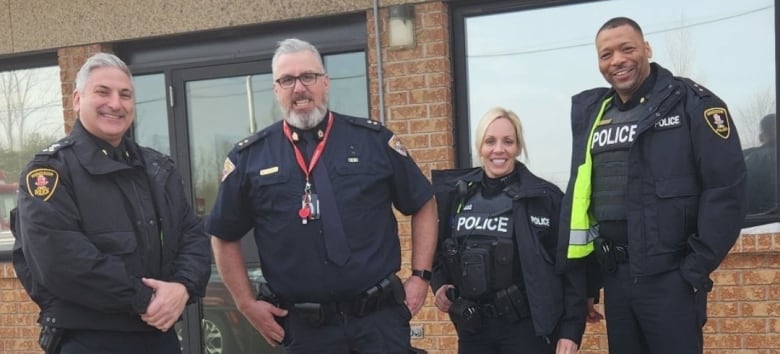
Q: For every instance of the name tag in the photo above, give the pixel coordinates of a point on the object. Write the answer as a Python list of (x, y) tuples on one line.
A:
[(269, 171)]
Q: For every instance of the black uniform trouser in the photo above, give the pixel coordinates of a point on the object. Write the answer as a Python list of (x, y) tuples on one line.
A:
[(383, 331), (499, 336), (657, 314), (115, 342)]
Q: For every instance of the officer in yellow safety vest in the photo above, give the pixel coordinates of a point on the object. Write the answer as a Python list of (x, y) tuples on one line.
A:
[(657, 195)]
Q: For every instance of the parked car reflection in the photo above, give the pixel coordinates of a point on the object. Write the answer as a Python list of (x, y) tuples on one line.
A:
[(225, 330)]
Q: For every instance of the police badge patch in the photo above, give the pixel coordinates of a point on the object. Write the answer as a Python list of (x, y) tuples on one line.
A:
[(718, 120), (42, 182), (397, 145)]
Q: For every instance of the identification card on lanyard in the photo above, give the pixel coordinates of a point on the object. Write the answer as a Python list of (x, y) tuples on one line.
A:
[(310, 204)]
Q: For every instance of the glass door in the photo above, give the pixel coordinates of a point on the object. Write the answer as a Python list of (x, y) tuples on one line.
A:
[(215, 107)]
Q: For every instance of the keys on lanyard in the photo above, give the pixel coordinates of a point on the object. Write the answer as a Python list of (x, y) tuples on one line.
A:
[(310, 205)]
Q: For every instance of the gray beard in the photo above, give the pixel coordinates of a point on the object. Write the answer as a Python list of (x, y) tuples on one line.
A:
[(306, 121)]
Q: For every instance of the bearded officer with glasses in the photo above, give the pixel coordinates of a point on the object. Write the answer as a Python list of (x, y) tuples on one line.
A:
[(329, 258)]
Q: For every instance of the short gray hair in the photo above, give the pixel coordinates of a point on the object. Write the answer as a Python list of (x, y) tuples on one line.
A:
[(97, 61), (295, 45)]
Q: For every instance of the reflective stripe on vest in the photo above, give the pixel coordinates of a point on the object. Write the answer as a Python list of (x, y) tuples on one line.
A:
[(580, 239)]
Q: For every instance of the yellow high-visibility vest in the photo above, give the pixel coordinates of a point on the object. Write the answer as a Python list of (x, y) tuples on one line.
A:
[(581, 223)]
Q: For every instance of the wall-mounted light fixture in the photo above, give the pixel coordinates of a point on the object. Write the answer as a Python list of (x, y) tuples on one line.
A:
[(401, 26)]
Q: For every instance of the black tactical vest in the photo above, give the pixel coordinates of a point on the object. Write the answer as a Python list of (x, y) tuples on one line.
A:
[(485, 245), (612, 140)]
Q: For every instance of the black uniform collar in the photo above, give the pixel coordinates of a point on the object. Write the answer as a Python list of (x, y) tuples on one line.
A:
[(494, 186), (316, 133), (641, 94), (125, 153), (118, 153)]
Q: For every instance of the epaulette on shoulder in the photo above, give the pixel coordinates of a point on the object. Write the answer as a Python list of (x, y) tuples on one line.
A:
[(248, 141), (699, 90), (54, 148), (365, 123)]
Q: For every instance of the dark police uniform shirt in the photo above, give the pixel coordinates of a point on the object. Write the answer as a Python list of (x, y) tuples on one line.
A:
[(262, 187), (141, 206)]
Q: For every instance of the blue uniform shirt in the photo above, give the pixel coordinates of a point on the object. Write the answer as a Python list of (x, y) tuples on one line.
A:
[(262, 187)]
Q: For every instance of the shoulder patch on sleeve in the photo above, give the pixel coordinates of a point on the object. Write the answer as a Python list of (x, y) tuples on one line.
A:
[(42, 183), (718, 120), (227, 168), (396, 144)]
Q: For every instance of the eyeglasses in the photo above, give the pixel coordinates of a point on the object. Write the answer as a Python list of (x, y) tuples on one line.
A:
[(306, 79)]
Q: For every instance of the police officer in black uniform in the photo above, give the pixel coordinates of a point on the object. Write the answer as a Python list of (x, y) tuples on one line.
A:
[(657, 190), (494, 270), (107, 243), (318, 188)]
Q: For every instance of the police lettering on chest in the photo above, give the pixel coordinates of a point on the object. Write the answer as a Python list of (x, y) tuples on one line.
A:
[(668, 122), (613, 137), (541, 221), (617, 129), (472, 223)]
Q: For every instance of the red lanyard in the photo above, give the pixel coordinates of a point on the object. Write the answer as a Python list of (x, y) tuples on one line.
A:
[(306, 208), (315, 156)]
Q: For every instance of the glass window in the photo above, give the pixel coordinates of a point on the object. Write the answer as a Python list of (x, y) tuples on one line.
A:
[(31, 118), (151, 115), (348, 83), (220, 112), (549, 55)]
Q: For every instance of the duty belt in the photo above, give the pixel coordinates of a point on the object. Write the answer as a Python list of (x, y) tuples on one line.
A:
[(511, 302), (387, 292)]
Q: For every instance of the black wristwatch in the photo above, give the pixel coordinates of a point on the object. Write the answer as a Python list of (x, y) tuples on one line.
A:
[(423, 274)]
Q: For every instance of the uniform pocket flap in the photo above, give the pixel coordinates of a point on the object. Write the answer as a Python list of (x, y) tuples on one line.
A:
[(354, 169), (272, 178)]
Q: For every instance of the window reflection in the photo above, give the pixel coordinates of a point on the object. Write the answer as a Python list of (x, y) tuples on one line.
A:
[(535, 68), (225, 329), (348, 83), (151, 116), (31, 119), (221, 112), (761, 162)]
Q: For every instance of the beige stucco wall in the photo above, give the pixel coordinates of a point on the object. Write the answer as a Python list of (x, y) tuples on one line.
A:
[(5, 24), (40, 25)]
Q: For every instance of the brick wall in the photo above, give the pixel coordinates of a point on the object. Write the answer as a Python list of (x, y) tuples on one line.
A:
[(18, 315), (418, 99)]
